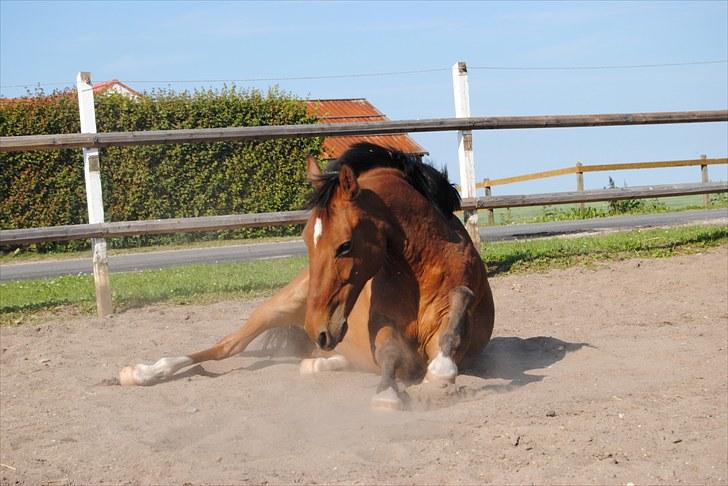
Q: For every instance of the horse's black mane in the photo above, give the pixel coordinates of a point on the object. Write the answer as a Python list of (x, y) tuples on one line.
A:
[(362, 157)]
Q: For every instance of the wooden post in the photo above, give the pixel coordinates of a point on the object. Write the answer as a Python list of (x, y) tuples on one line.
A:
[(491, 214), (94, 200), (705, 179), (465, 148), (580, 182)]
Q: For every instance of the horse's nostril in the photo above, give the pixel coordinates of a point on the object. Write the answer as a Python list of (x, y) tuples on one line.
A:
[(323, 339)]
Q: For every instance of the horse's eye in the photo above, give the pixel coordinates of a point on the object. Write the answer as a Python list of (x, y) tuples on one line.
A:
[(343, 249)]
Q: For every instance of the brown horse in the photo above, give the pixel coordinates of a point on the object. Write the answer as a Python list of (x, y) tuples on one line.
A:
[(394, 283)]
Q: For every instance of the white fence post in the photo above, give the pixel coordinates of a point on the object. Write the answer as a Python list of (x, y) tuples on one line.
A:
[(94, 199), (705, 178), (465, 148)]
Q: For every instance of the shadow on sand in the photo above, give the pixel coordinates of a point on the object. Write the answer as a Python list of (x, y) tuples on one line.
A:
[(511, 358), (506, 359)]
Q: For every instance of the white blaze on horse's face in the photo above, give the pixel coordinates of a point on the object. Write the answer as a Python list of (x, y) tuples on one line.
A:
[(318, 230), (328, 301), (342, 258)]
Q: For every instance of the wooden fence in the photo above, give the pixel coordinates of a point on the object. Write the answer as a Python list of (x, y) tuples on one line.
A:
[(579, 169), (90, 142), (206, 135), (214, 223)]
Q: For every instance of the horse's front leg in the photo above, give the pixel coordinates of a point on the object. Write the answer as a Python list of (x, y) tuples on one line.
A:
[(285, 308), (442, 367), (323, 361), (394, 358)]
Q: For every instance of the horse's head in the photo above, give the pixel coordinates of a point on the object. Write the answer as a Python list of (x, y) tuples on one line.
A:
[(346, 247)]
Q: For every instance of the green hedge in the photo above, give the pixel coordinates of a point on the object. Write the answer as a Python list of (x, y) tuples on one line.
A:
[(156, 181)]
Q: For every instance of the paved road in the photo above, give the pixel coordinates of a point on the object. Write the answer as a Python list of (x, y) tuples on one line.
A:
[(260, 251)]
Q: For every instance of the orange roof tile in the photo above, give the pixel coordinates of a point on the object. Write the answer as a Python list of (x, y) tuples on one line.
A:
[(357, 110), (106, 85), (98, 88)]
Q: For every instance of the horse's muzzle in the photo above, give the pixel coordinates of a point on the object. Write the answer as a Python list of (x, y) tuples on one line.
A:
[(328, 340)]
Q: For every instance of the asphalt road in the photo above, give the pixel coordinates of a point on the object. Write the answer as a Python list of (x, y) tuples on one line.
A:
[(261, 251)]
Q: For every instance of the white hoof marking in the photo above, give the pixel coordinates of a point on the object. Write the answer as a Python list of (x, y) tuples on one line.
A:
[(142, 374), (317, 365), (126, 376), (387, 400), (441, 370)]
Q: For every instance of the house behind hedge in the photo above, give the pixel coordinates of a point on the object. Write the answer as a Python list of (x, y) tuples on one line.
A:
[(353, 111)]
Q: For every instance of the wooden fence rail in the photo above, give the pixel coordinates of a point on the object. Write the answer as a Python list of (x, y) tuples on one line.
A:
[(616, 194), (213, 223), (150, 227), (203, 135), (599, 168), (580, 168)]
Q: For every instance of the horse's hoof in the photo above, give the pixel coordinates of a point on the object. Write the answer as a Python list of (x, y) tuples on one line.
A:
[(441, 370), (127, 378), (308, 366), (387, 400), (317, 365)]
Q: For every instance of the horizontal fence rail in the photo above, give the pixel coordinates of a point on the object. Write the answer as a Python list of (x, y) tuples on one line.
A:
[(599, 168), (205, 135), (615, 194), (150, 227), (213, 223)]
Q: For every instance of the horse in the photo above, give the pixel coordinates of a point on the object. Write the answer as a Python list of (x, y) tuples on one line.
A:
[(394, 284)]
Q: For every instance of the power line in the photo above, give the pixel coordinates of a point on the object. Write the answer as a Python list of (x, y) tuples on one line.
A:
[(395, 73), (38, 84), (593, 68), (296, 78), (249, 80)]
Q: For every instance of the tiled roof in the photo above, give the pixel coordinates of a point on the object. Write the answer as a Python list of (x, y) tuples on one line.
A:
[(357, 110), (107, 85), (98, 88)]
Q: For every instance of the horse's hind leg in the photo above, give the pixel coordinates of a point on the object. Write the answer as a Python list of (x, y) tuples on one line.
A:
[(287, 307), (442, 367)]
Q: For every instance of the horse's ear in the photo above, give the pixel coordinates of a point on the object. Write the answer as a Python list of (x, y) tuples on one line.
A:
[(348, 182), (313, 172)]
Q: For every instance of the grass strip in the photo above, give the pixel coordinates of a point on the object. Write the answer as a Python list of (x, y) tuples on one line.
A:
[(187, 284), (207, 283), (569, 212), (544, 254)]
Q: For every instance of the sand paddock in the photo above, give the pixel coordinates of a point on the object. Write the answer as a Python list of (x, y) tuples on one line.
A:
[(607, 375)]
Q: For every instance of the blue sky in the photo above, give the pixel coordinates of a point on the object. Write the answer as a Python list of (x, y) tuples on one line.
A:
[(48, 42)]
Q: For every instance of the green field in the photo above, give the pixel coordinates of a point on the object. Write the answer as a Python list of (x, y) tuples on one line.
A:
[(25, 300), (538, 214)]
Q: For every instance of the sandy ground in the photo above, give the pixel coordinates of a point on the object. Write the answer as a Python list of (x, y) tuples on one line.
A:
[(603, 375)]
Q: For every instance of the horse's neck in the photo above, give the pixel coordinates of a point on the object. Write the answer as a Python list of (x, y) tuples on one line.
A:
[(421, 231)]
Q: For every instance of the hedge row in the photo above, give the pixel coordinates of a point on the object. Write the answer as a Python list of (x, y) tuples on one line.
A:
[(156, 181)]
